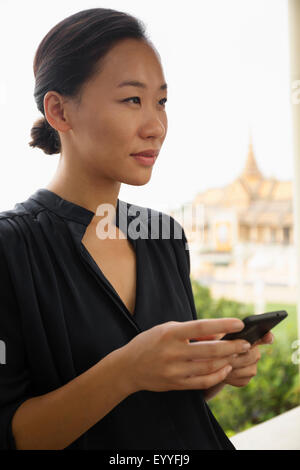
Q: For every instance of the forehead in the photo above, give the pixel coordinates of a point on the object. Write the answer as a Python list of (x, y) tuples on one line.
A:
[(129, 60)]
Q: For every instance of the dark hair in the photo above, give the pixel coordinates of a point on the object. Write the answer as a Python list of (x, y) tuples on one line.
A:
[(70, 54)]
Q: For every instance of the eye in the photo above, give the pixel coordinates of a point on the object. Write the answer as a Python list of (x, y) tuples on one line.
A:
[(132, 98), (138, 98)]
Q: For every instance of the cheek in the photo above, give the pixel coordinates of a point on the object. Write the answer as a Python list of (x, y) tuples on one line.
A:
[(111, 132), (166, 122)]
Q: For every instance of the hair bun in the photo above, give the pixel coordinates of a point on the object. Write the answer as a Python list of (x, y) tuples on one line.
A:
[(45, 137)]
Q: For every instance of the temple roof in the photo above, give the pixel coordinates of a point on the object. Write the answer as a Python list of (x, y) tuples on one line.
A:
[(251, 170), (251, 194)]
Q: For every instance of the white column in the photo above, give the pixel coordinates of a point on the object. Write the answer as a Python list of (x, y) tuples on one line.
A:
[(294, 39)]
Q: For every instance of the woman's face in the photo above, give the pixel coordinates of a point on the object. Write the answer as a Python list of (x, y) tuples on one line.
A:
[(112, 122)]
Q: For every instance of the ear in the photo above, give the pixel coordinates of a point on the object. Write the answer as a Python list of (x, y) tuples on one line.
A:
[(55, 111)]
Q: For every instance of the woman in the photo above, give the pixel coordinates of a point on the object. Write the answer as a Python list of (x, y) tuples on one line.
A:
[(94, 327)]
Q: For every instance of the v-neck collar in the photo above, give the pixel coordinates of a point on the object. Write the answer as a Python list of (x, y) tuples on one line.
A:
[(76, 213), (82, 217), (70, 210)]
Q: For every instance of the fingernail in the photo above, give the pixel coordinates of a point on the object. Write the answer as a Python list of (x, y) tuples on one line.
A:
[(246, 346), (238, 325), (228, 369)]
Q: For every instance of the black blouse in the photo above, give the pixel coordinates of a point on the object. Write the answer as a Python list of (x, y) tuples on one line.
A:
[(60, 315)]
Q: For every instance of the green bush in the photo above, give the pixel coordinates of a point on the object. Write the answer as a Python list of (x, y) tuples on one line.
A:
[(275, 389)]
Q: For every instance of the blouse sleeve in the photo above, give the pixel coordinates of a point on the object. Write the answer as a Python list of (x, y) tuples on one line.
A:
[(14, 374)]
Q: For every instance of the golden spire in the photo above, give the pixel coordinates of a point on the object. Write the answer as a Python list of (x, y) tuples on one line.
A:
[(251, 169)]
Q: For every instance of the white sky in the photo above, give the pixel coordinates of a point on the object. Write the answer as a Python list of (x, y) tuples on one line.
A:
[(227, 68)]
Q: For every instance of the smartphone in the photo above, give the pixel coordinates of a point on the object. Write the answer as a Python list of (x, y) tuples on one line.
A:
[(256, 326)]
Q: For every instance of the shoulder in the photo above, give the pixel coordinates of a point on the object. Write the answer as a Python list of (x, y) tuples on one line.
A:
[(7, 222), (17, 212), (14, 225)]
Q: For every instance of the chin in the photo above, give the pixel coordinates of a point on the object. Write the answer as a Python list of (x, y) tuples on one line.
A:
[(137, 180)]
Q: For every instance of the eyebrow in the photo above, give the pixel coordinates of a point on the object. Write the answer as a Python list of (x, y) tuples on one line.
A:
[(136, 83)]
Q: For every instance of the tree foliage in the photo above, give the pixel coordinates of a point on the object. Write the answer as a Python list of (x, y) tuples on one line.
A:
[(275, 389)]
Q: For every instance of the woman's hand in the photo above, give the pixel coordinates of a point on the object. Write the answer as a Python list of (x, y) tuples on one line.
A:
[(162, 358), (244, 366)]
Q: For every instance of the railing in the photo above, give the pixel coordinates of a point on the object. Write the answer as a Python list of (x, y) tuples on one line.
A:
[(279, 433)]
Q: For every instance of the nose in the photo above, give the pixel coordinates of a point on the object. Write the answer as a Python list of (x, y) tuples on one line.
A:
[(154, 126)]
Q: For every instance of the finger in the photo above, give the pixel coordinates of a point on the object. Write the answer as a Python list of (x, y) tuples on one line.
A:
[(250, 357), (204, 338), (212, 349), (199, 328), (243, 372), (268, 338), (209, 337), (238, 382), (192, 368), (206, 381)]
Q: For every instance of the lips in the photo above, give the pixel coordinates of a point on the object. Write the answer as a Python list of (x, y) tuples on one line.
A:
[(146, 153)]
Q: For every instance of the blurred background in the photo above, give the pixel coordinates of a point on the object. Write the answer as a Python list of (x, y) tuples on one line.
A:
[(226, 171)]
